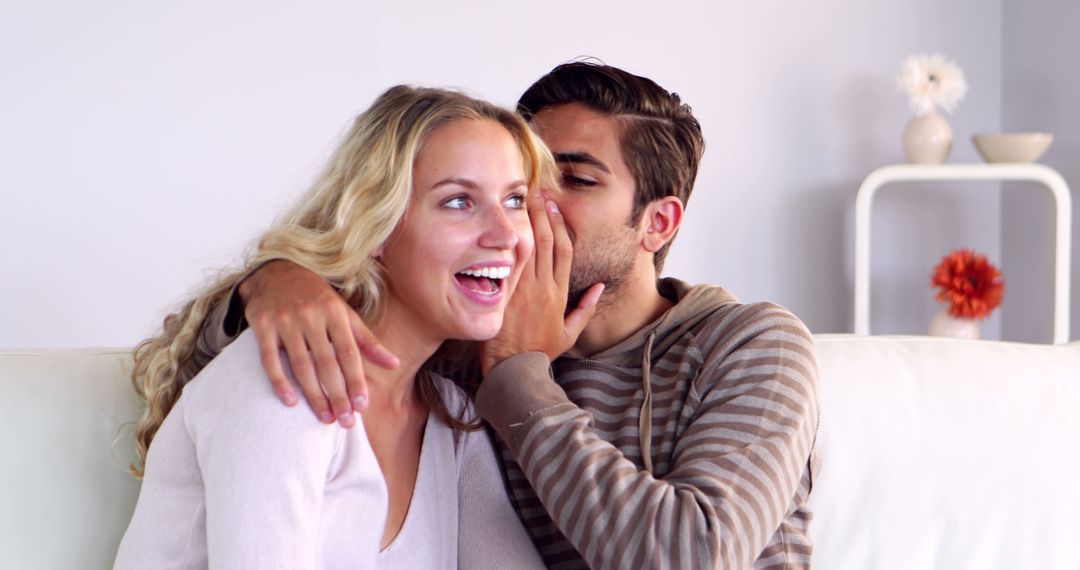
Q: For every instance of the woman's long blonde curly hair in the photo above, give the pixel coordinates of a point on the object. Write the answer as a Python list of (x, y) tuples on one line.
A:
[(353, 207)]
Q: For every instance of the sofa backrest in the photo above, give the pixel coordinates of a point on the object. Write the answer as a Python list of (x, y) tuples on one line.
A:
[(67, 495), (935, 454), (942, 453)]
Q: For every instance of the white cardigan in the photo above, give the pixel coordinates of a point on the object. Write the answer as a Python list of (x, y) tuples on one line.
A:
[(235, 479)]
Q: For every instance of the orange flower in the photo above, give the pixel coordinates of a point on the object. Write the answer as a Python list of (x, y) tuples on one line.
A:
[(970, 284)]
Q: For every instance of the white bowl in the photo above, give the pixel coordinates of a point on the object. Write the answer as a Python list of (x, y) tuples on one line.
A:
[(1012, 147)]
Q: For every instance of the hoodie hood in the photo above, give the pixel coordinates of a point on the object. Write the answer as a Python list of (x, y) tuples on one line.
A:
[(693, 303)]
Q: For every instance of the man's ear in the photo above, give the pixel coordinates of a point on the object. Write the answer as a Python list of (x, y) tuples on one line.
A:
[(659, 222)]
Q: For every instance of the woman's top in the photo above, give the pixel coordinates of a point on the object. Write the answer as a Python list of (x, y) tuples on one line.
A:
[(235, 479)]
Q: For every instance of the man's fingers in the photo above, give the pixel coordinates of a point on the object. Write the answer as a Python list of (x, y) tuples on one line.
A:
[(304, 370), (577, 319), (330, 377), (541, 225), (271, 360), (369, 344), (562, 250), (352, 366)]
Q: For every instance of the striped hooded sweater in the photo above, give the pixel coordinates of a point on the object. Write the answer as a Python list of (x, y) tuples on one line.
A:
[(688, 445)]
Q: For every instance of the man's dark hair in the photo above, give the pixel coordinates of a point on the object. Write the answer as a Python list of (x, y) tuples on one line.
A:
[(661, 140)]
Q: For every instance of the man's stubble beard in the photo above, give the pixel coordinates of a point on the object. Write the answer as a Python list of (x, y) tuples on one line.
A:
[(608, 259)]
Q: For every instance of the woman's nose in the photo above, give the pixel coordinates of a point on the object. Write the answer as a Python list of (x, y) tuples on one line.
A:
[(498, 231)]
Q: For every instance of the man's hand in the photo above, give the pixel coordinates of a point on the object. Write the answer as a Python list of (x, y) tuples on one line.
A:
[(291, 307), (536, 318)]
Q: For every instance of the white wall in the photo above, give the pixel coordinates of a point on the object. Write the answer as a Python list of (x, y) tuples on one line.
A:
[(1040, 93), (141, 143)]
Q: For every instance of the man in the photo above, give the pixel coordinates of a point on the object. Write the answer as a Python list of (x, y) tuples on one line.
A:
[(677, 430)]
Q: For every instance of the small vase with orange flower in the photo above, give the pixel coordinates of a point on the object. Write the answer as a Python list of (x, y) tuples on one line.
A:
[(971, 288)]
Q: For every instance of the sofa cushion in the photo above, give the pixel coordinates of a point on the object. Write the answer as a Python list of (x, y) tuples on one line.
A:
[(67, 494), (941, 453)]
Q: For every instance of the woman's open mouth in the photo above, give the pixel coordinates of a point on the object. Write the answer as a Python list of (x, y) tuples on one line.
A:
[(484, 285)]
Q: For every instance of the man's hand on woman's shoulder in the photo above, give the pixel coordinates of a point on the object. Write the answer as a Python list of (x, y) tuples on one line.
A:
[(290, 307)]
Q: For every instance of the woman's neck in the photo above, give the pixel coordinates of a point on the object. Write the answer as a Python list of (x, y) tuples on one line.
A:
[(397, 388)]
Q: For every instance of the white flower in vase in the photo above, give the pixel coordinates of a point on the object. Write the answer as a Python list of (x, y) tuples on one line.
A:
[(930, 81)]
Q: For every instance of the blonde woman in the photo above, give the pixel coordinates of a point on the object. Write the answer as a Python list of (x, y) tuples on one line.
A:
[(420, 221)]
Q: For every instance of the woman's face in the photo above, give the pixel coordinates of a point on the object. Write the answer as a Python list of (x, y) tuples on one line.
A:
[(453, 261)]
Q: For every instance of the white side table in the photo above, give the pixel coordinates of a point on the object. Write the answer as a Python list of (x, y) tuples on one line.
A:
[(1042, 174)]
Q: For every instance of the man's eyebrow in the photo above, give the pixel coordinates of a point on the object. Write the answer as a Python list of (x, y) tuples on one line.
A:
[(581, 158)]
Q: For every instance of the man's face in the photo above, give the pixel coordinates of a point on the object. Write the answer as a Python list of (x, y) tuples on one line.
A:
[(597, 196)]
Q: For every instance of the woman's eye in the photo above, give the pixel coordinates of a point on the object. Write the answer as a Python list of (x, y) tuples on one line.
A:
[(516, 202), (457, 203), (569, 179)]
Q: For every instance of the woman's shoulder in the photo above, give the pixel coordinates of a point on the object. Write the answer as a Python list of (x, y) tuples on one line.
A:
[(237, 368), (234, 388)]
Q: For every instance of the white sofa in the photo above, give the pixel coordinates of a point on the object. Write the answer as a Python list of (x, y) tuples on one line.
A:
[(936, 454)]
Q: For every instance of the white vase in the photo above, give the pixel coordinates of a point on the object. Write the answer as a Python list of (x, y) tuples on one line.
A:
[(928, 139), (945, 324)]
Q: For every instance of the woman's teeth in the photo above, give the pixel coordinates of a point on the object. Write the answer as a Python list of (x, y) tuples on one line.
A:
[(489, 272)]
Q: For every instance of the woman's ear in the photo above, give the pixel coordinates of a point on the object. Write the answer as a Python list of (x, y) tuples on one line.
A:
[(660, 220)]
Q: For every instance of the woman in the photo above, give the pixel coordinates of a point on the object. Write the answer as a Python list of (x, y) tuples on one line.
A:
[(420, 221)]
